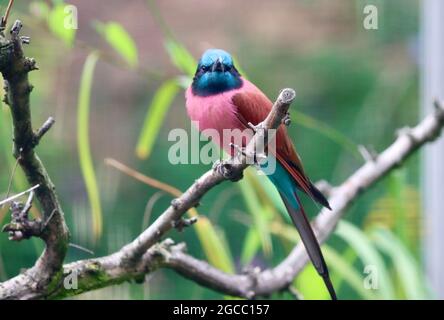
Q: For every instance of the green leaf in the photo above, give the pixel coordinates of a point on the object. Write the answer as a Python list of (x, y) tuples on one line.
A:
[(57, 19), (181, 57), (368, 254), (350, 257), (120, 40), (252, 244), (405, 264), (213, 241), (398, 192), (214, 245), (85, 157), (184, 81), (311, 285), (155, 116), (259, 210), (350, 275)]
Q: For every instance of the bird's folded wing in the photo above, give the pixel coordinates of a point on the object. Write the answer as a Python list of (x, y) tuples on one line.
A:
[(253, 107)]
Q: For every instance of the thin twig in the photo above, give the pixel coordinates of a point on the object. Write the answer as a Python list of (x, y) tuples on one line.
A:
[(43, 129), (11, 178), (76, 246), (18, 195), (149, 208), (143, 178), (6, 15), (162, 186), (45, 224)]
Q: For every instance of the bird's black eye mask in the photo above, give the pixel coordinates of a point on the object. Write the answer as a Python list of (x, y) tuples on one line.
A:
[(201, 69)]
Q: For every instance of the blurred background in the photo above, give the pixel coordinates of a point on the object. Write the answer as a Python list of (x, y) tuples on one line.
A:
[(116, 86)]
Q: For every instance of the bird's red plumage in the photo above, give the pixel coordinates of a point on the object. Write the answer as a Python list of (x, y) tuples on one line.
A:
[(234, 109), (253, 106)]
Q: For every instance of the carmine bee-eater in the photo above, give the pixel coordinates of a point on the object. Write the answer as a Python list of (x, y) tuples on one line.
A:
[(220, 98)]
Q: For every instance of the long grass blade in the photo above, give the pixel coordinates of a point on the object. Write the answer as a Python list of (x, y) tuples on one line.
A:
[(368, 254), (83, 144), (407, 269), (155, 117)]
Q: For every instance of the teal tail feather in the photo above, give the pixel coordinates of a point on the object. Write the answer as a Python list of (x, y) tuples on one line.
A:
[(288, 191)]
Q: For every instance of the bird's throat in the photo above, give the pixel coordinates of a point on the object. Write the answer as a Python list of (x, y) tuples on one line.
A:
[(214, 83)]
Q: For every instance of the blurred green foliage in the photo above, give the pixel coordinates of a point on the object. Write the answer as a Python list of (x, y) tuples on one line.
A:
[(56, 19), (358, 91), (83, 144), (120, 40)]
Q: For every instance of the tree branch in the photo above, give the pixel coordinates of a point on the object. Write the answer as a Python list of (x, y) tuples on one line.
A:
[(15, 68), (109, 270), (280, 277)]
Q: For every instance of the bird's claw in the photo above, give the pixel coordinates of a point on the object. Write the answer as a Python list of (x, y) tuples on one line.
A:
[(253, 127), (239, 150), (254, 159), (259, 158), (225, 169), (286, 120)]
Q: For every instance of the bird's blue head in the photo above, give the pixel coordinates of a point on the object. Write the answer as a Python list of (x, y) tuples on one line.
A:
[(215, 74)]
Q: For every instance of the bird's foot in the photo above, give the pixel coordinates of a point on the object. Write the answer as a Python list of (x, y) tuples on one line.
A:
[(226, 169), (286, 120), (255, 158), (256, 128), (240, 151)]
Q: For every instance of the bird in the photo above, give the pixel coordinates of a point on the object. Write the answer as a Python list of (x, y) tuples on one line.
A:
[(220, 98)]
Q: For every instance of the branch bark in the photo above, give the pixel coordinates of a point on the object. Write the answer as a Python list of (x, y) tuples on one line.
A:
[(15, 68), (280, 277), (109, 270)]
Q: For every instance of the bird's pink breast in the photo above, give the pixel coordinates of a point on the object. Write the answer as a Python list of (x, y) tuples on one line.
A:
[(216, 111), (212, 112)]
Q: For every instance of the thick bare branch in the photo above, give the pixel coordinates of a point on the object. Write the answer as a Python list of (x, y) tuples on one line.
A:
[(109, 270), (280, 277), (15, 67)]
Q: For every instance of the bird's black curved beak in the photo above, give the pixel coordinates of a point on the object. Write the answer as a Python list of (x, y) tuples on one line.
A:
[(218, 66)]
